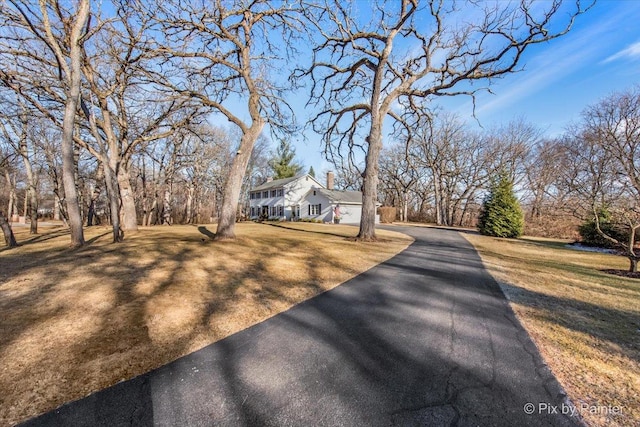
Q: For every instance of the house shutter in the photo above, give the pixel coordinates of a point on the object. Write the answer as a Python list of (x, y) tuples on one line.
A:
[(309, 209)]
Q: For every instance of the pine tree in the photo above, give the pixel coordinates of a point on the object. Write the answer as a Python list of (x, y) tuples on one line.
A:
[(312, 172), (501, 214), (282, 163)]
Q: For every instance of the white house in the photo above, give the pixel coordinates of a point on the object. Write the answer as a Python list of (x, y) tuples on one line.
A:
[(304, 197), (332, 205), (280, 198)]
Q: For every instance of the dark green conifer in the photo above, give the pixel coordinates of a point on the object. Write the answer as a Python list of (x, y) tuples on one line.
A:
[(501, 215)]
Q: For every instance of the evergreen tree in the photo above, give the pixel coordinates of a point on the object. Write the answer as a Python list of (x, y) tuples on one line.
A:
[(501, 214), (282, 163), (312, 172)]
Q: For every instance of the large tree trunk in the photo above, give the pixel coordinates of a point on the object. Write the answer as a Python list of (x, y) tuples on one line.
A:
[(129, 214), (12, 208), (33, 209), (31, 202), (9, 238), (405, 200), (151, 216), (91, 212), (71, 107), (633, 264), (114, 202), (370, 186), (189, 204), (437, 199), (56, 207), (233, 186), (167, 204), (97, 189), (68, 167), (31, 196)]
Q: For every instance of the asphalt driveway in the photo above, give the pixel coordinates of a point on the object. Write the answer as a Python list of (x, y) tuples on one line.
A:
[(424, 339)]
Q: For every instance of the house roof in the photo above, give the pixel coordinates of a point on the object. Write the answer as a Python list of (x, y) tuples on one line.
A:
[(277, 183), (337, 196)]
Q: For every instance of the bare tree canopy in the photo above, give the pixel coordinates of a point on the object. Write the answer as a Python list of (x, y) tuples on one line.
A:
[(392, 61), (604, 153), (228, 54), (46, 41)]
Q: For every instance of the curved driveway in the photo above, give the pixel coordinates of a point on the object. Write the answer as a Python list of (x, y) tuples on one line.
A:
[(424, 339)]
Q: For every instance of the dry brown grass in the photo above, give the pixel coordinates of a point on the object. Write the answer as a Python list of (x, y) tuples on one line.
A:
[(586, 323), (76, 321)]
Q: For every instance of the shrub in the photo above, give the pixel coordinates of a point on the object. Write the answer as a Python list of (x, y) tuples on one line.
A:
[(590, 236), (501, 215), (387, 214)]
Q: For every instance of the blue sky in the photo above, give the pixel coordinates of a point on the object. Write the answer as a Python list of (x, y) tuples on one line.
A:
[(600, 55)]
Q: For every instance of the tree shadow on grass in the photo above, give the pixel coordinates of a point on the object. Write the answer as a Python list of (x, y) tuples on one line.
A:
[(392, 347), (328, 233), (615, 326), (622, 273), (40, 237), (109, 288), (204, 230)]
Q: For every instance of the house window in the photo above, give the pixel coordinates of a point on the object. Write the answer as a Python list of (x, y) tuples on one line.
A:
[(265, 194), (280, 210), (273, 193), (253, 210), (280, 192), (315, 209), (273, 211)]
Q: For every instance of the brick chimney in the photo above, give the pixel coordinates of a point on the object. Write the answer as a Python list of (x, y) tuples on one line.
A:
[(330, 180)]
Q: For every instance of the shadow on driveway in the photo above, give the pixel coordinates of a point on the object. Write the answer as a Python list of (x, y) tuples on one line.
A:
[(426, 338)]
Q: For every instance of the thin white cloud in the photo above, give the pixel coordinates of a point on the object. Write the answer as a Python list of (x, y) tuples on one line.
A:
[(630, 52), (547, 67)]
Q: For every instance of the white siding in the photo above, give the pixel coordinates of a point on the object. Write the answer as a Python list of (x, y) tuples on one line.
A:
[(326, 213), (350, 214), (269, 202), (293, 194)]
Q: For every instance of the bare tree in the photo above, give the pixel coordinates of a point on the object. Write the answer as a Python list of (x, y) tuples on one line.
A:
[(9, 176), (72, 71), (453, 164), (367, 69), (9, 238), (96, 190), (57, 34), (440, 145), (606, 153), (398, 176), (48, 145), (225, 57), (543, 174), (15, 128), (125, 109), (348, 173)]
